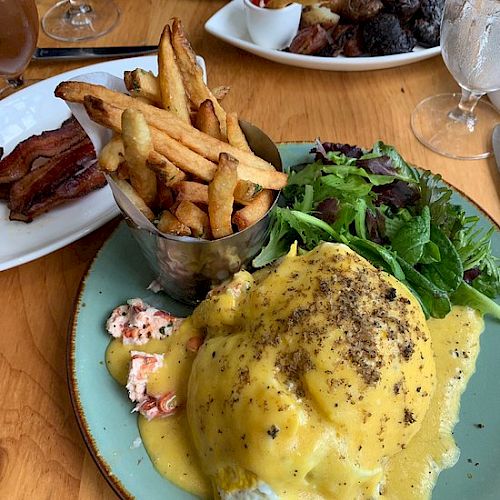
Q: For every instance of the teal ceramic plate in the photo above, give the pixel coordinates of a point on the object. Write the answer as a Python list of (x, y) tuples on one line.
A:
[(119, 272)]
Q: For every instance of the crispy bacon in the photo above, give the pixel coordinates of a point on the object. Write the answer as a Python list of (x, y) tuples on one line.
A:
[(45, 179), (4, 191), (80, 185), (46, 145)]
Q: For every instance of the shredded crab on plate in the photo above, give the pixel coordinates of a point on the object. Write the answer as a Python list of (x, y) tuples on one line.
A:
[(142, 365), (137, 322)]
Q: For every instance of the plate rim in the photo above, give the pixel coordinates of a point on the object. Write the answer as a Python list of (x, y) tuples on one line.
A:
[(338, 63), (71, 377), (78, 410)]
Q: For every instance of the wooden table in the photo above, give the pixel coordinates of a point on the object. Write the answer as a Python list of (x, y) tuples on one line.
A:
[(42, 454)]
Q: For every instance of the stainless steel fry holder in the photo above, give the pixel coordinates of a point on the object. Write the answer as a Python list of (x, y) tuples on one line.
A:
[(188, 267)]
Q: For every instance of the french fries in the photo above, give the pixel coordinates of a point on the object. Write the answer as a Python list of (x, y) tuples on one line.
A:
[(179, 157), (168, 173), (142, 83), (235, 135), (193, 217), (112, 154), (254, 211), (163, 120), (173, 95), (220, 92), (245, 192), (169, 223), (194, 192), (220, 196), (206, 120), (134, 197), (122, 172), (138, 145), (164, 197), (192, 74)]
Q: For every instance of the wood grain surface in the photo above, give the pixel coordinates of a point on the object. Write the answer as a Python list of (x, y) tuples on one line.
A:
[(42, 454)]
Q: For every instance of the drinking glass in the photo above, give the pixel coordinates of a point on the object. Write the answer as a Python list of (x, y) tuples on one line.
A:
[(74, 20), (454, 125), (18, 38)]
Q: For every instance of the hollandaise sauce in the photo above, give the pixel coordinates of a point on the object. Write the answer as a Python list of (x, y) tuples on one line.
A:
[(319, 379), (167, 440), (413, 472)]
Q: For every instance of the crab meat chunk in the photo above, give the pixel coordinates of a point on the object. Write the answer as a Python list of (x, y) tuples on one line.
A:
[(142, 365), (163, 406), (137, 322)]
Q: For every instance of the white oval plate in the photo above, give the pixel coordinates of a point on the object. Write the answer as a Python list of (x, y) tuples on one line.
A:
[(31, 111), (229, 25)]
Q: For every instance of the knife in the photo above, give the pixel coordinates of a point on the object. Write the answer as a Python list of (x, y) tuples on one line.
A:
[(69, 53), (496, 144)]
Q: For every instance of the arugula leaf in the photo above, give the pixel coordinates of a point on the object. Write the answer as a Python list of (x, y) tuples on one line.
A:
[(305, 174), (412, 236), (488, 281), (338, 158), (306, 204), (468, 296), (279, 240), (447, 274), (431, 253), (472, 245), (288, 225), (344, 218), (311, 229), (344, 170), (433, 299), (435, 195), (397, 160), (394, 222), (331, 186), (378, 255), (360, 218)]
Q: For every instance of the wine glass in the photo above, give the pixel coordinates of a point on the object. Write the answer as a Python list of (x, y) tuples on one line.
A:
[(18, 38), (75, 20), (454, 125)]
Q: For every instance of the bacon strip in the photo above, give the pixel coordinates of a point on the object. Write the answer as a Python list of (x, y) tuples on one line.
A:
[(81, 184), (4, 191), (46, 178), (46, 145)]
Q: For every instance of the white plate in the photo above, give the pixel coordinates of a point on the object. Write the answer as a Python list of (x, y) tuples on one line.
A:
[(31, 111), (229, 25)]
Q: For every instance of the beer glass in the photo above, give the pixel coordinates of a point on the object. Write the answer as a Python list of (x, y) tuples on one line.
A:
[(18, 39)]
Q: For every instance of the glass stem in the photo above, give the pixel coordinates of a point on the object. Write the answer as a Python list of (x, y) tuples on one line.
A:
[(464, 112), (79, 13), (13, 83)]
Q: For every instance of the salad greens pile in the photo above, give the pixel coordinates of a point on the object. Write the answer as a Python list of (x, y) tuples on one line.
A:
[(399, 218)]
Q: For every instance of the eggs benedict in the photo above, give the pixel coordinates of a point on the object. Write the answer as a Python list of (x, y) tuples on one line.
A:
[(323, 365), (315, 378)]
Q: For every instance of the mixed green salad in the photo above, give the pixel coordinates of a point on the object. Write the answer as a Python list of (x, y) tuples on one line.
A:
[(399, 218)]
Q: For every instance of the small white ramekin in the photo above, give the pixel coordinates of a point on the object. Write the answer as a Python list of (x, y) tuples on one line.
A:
[(272, 28)]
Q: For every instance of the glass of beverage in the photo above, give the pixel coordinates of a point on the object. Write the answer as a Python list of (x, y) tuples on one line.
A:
[(74, 20), (18, 38), (454, 125)]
